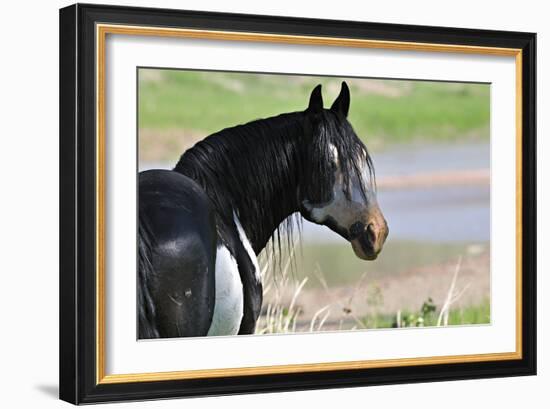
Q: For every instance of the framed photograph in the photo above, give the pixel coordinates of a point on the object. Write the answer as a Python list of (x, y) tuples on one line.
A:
[(257, 203)]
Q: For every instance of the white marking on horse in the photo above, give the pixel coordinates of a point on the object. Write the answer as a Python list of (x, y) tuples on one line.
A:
[(247, 247), (334, 151), (229, 304)]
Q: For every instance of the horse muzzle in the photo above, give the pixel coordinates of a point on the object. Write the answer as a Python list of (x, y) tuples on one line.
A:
[(368, 239)]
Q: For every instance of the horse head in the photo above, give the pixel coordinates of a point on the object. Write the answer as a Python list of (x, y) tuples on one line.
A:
[(338, 188)]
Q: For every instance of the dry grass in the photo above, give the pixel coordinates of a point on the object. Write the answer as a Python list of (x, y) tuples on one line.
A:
[(280, 315), (286, 308)]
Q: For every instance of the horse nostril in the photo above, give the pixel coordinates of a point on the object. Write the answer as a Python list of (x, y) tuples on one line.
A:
[(356, 230)]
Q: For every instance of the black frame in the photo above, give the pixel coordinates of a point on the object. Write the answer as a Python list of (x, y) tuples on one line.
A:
[(77, 204)]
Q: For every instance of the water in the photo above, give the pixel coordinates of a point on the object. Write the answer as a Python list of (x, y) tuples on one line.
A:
[(405, 160), (447, 214)]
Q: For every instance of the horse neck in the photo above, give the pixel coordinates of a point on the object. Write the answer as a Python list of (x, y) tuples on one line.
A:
[(252, 171)]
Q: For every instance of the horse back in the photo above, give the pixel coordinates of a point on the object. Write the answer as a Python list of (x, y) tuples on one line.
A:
[(178, 240)]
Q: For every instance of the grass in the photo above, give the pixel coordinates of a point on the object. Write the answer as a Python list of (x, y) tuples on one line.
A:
[(382, 111), (286, 302), (469, 315)]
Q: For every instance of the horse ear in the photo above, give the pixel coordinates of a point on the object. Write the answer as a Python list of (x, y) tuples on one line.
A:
[(316, 100), (341, 103)]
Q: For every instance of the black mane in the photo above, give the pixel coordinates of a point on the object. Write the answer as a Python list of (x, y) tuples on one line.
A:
[(257, 169)]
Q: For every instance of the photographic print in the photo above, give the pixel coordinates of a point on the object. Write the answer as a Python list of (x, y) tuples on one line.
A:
[(277, 203), (265, 203)]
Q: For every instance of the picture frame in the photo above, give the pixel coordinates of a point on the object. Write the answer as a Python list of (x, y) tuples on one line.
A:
[(83, 180)]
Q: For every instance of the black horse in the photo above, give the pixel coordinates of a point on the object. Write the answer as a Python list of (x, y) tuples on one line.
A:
[(202, 224)]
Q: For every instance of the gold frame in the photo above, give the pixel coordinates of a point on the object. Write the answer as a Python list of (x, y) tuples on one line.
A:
[(102, 30)]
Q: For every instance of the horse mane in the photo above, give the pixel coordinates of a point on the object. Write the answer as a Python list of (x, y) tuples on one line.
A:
[(256, 169), (330, 130)]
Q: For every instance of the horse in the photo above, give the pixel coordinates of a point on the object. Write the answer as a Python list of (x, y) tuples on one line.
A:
[(203, 224)]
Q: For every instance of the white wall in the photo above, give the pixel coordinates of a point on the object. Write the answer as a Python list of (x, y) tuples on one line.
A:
[(29, 203)]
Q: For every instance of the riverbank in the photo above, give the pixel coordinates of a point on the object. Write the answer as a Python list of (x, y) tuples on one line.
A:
[(410, 297)]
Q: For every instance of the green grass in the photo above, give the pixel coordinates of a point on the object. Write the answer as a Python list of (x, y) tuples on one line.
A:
[(174, 105), (470, 315), (382, 111), (480, 314)]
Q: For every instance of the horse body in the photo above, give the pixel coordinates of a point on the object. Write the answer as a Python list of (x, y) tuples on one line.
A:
[(183, 252), (196, 278), (202, 224)]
